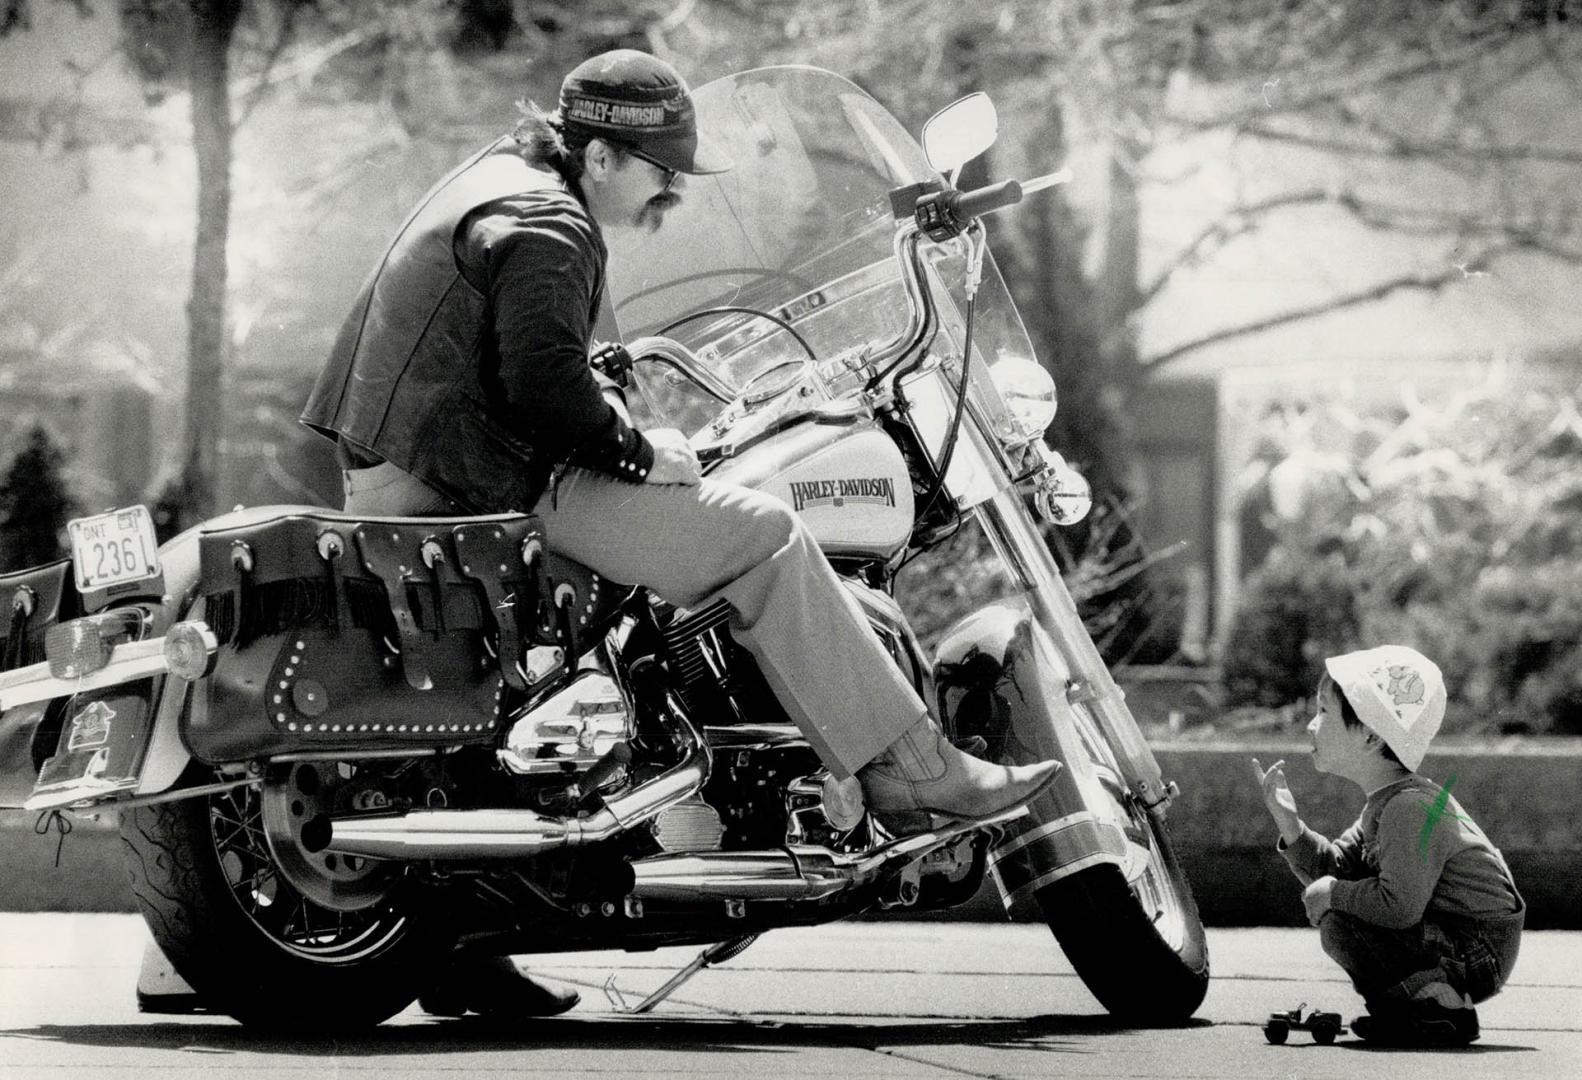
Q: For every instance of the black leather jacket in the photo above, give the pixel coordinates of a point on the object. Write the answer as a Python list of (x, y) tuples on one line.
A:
[(422, 376)]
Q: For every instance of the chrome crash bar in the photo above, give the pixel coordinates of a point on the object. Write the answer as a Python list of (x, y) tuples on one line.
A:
[(79, 665)]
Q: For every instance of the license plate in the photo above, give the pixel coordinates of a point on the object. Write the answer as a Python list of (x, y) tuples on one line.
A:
[(113, 549)]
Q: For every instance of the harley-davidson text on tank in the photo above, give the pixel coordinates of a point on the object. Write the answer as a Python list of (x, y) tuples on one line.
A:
[(848, 483)]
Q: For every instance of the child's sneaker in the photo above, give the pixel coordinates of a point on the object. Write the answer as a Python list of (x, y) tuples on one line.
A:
[(1421, 1023)]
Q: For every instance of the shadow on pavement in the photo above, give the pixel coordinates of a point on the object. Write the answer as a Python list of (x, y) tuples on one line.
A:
[(1476, 1048), (695, 1034)]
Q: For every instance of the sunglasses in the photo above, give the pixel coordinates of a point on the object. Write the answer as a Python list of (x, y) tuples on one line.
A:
[(670, 174)]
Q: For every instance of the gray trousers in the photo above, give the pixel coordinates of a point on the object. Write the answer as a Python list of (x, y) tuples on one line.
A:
[(693, 544)]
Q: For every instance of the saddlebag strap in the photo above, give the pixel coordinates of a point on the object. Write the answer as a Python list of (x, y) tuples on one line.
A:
[(332, 549), (565, 610), (505, 562), (23, 604), (389, 552), (39, 597)]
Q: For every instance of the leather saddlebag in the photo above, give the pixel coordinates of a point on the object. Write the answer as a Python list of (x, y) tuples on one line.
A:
[(345, 633), (33, 601)]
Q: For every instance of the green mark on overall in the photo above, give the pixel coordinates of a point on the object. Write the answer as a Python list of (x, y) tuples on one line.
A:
[(1435, 811)]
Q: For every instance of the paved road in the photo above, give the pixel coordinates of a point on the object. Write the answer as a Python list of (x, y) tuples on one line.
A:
[(862, 999)]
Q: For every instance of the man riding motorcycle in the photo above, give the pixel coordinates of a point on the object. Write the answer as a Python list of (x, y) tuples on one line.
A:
[(460, 384)]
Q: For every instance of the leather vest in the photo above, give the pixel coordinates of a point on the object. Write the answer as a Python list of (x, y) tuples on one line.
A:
[(404, 376)]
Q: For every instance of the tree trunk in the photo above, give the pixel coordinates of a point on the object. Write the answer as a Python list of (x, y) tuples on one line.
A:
[(213, 23), (1119, 291)]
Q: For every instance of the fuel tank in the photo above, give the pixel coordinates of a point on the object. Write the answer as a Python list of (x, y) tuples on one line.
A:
[(846, 480)]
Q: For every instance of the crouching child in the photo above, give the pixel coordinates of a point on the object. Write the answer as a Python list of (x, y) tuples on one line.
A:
[(1412, 900)]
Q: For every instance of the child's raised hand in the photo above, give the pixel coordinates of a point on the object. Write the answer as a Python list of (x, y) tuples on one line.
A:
[(1278, 798)]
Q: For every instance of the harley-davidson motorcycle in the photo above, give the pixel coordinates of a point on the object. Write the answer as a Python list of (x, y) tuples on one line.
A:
[(338, 746)]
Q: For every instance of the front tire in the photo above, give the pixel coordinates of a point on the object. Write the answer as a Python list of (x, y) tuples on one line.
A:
[(248, 941), (1139, 947)]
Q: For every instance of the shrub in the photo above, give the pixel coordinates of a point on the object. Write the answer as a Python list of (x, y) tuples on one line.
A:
[(35, 503), (1454, 528), (1295, 610)]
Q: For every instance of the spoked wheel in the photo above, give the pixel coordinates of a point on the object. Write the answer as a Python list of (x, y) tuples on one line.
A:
[(1132, 932), (266, 929)]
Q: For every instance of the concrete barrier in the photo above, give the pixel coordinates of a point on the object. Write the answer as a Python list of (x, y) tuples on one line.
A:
[(1525, 796)]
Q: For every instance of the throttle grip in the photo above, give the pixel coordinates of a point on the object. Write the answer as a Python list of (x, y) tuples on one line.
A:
[(980, 201)]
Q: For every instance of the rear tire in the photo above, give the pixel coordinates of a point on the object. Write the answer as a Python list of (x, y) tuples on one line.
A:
[(1144, 966), (249, 943)]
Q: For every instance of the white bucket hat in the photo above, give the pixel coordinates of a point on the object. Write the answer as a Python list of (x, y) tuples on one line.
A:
[(1397, 692)]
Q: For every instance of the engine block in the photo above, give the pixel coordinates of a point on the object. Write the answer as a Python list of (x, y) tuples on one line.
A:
[(571, 730)]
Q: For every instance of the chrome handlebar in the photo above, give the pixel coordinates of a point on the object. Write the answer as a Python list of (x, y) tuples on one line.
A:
[(676, 355)]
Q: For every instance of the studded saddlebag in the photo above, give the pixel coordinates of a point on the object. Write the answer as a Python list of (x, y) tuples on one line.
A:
[(346, 633)]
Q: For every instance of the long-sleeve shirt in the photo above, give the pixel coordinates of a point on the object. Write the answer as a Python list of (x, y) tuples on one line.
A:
[(540, 260), (1394, 867)]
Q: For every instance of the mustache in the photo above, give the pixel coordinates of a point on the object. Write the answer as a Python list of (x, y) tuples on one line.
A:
[(652, 213)]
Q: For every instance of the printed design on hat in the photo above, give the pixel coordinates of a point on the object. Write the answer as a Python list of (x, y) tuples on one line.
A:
[(1405, 685), (631, 116)]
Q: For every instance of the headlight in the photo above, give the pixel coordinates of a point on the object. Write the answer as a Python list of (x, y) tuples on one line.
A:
[(1029, 393)]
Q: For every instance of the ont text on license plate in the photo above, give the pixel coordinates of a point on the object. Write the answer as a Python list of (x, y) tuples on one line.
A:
[(113, 548)]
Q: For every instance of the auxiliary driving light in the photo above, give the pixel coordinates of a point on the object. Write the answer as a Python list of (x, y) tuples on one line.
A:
[(1029, 393), (189, 650), (1063, 496)]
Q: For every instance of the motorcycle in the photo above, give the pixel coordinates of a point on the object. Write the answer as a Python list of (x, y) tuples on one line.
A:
[(338, 746)]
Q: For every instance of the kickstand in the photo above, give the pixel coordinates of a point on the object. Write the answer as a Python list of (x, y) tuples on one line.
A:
[(717, 953)]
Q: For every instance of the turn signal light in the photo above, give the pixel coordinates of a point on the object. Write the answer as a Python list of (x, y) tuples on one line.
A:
[(82, 646)]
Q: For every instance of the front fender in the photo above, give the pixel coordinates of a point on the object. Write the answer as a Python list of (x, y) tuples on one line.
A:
[(999, 677)]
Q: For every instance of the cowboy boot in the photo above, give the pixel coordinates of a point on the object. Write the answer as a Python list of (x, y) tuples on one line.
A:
[(922, 773), (494, 987)]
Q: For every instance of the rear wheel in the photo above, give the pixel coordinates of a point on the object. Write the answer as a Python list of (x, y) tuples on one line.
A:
[(264, 928)]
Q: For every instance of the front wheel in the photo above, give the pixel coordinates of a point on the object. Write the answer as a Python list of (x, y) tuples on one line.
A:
[(1138, 946), (268, 932)]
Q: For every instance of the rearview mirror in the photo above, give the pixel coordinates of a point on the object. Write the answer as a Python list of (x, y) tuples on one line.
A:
[(960, 132)]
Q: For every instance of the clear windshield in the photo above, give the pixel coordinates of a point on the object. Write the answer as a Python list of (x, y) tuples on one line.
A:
[(801, 228)]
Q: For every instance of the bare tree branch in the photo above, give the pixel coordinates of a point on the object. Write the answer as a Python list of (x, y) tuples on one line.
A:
[(1405, 282), (1338, 87), (304, 64), (1564, 65), (656, 33), (1238, 221), (283, 38), (1394, 145)]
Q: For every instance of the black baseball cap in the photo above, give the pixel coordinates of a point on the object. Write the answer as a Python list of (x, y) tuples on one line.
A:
[(631, 98)]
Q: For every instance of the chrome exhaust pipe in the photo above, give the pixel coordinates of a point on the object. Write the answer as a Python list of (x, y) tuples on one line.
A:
[(809, 874), (514, 833), (802, 872)]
